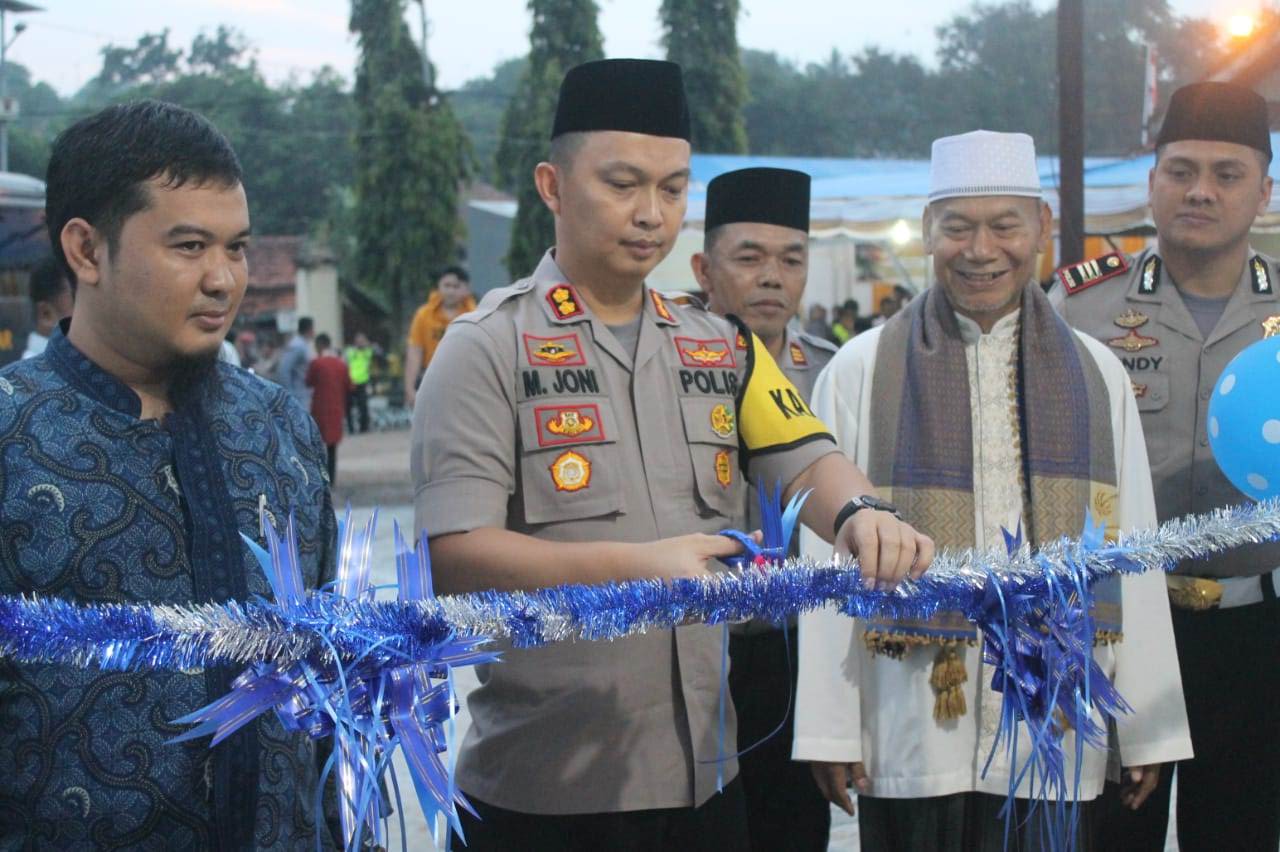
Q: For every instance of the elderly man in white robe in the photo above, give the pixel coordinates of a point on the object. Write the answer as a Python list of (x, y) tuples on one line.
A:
[(976, 409)]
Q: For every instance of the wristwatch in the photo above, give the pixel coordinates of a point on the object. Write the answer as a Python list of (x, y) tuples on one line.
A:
[(857, 504)]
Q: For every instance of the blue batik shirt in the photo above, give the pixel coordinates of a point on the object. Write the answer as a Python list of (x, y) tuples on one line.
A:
[(99, 505)]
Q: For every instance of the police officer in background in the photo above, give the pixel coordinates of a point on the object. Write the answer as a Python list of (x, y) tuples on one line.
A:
[(1176, 315), (753, 265), (581, 427)]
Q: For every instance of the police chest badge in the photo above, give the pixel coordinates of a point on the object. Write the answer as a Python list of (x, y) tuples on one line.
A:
[(571, 471), (712, 352), (722, 420), (724, 469), (562, 351), (570, 423)]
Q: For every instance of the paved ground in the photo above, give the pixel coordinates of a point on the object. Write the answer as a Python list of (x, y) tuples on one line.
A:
[(373, 471)]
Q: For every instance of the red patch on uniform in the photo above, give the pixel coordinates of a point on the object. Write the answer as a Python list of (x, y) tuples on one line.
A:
[(797, 355), (562, 351), (660, 306), (714, 352), (1079, 277), (568, 424), (741, 342), (564, 302)]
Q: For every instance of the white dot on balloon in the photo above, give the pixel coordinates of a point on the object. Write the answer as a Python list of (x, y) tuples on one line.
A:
[(1228, 382), (1213, 426), (1271, 431), (1257, 481)]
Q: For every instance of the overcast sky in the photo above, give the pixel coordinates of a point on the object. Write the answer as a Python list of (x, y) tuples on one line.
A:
[(468, 37)]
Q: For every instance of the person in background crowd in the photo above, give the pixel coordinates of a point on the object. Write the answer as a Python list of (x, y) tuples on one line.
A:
[(329, 379), (359, 358), (1177, 314), (846, 324), (754, 265), (817, 325), (51, 301), (889, 305), (133, 462), (449, 300), (292, 370), (246, 348), (975, 410)]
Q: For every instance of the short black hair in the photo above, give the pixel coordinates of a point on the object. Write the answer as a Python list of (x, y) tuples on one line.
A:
[(305, 325), (99, 166), (564, 147), (457, 271), (322, 341), (47, 281)]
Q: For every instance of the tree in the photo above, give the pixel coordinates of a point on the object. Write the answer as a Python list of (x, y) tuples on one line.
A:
[(480, 104), (149, 61), (702, 35), (564, 34), (411, 157), (225, 50)]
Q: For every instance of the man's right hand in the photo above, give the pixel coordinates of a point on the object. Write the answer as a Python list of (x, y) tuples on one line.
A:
[(835, 779), (686, 555)]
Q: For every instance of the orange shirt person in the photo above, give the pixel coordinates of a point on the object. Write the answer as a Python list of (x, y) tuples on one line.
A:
[(450, 299)]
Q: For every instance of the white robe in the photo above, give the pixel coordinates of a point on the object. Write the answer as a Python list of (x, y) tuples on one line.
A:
[(853, 706)]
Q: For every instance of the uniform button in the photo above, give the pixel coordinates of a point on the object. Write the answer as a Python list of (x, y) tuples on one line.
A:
[(1204, 394), (1204, 442)]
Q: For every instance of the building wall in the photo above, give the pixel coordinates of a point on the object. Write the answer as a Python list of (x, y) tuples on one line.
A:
[(319, 299), (488, 239)]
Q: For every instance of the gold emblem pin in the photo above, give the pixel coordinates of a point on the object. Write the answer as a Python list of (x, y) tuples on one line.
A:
[(724, 469), (722, 420), (1131, 319), (1271, 326)]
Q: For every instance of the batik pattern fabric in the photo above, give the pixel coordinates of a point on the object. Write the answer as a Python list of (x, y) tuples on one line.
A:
[(99, 505)]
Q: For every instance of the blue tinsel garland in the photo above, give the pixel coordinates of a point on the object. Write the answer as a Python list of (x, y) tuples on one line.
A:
[(376, 674)]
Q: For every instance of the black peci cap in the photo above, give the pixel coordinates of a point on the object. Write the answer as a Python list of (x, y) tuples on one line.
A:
[(1217, 112), (769, 196), (633, 95)]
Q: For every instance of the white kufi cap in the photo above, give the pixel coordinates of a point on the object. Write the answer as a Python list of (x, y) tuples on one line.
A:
[(983, 163)]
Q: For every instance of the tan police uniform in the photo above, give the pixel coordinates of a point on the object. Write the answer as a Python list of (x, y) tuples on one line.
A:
[(1226, 619), (533, 418), (1130, 304)]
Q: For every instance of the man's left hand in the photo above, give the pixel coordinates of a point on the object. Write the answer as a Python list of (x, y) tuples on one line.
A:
[(887, 549), (1137, 783)]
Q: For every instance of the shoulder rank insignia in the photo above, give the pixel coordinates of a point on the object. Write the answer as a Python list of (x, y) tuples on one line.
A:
[(562, 351), (1081, 276), (798, 358), (1131, 319), (570, 471), (724, 469), (1132, 342), (740, 342), (1261, 277), (660, 305), (722, 420), (714, 352), (564, 302), (1271, 326)]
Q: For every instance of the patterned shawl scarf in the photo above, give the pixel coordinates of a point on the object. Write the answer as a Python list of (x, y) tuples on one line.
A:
[(922, 455)]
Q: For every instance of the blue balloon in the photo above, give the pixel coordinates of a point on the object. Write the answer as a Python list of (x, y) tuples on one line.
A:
[(1244, 420)]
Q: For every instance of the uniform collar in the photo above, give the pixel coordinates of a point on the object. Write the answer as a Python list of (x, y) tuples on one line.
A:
[(1152, 284), (563, 305)]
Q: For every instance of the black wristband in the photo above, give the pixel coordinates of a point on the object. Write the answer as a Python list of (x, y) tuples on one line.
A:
[(855, 505)]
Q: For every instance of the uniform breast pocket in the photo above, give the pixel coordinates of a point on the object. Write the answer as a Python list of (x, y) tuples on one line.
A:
[(569, 464), (1151, 391), (711, 429)]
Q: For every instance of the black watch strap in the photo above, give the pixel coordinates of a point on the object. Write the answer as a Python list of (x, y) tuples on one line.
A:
[(866, 501)]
